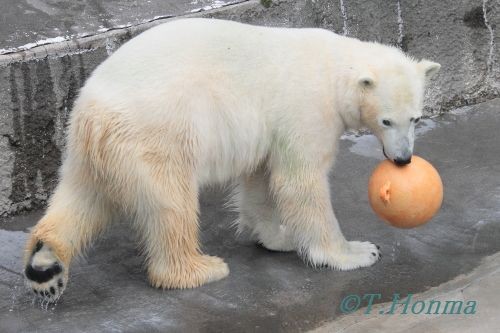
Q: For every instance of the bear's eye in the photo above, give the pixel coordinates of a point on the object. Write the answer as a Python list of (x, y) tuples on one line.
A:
[(386, 122), (417, 120)]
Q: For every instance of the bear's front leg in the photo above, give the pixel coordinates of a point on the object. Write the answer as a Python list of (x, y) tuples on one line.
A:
[(303, 201)]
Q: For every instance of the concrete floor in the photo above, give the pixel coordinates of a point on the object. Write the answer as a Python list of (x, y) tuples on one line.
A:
[(273, 292), (24, 22), (481, 286)]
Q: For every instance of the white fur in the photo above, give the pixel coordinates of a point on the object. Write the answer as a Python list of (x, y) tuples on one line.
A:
[(272, 97), (196, 102)]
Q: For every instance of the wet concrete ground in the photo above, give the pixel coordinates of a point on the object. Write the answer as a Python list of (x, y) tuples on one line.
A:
[(273, 292), (23, 22), (477, 290)]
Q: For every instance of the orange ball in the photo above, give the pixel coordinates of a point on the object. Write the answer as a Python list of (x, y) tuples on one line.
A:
[(405, 196)]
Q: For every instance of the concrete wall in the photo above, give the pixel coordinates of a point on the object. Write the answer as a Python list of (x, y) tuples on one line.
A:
[(38, 86)]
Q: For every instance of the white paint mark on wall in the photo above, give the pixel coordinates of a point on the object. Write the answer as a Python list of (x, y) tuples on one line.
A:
[(60, 121), (400, 26), (40, 193), (6, 167), (110, 46), (492, 36), (343, 11)]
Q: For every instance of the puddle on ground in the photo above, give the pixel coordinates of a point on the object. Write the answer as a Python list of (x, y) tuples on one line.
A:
[(12, 250), (424, 126), (11, 263), (365, 145), (11, 276)]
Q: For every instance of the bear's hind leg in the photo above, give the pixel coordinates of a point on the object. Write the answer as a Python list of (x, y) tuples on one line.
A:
[(257, 213), (75, 215), (168, 220)]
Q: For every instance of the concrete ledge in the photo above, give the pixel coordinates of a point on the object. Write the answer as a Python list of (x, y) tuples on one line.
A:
[(38, 86)]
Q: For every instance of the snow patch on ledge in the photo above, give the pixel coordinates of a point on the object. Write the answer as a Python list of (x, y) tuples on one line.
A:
[(32, 45), (214, 5)]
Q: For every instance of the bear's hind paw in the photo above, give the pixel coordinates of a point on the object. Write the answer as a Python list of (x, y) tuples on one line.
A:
[(45, 274)]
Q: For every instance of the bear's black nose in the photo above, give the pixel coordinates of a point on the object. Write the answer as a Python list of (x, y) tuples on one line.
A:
[(402, 161)]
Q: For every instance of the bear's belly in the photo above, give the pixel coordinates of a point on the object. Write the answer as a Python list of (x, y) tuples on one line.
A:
[(231, 149)]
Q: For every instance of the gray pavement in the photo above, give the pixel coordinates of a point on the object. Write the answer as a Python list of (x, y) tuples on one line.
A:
[(273, 292), (24, 23), (480, 286)]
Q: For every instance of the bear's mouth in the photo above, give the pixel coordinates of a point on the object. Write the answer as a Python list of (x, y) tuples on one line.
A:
[(383, 151)]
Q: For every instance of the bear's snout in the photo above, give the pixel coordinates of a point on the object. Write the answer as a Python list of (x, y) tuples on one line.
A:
[(402, 161)]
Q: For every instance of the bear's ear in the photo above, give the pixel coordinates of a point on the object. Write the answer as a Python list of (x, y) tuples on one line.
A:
[(429, 68), (366, 80)]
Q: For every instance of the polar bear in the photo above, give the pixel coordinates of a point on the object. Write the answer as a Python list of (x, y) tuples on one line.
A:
[(201, 101)]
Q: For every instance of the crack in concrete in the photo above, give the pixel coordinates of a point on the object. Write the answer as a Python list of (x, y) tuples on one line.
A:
[(10, 270)]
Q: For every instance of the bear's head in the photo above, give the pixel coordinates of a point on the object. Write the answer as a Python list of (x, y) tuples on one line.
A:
[(391, 97)]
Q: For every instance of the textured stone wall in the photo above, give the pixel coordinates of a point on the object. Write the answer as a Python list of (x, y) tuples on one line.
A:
[(38, 86)]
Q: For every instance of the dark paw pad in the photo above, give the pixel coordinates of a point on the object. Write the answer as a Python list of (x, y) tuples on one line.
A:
[(42, 276)]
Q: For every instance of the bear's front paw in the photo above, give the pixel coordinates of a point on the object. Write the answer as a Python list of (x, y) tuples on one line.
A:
[(352, 255), (45, 274)]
